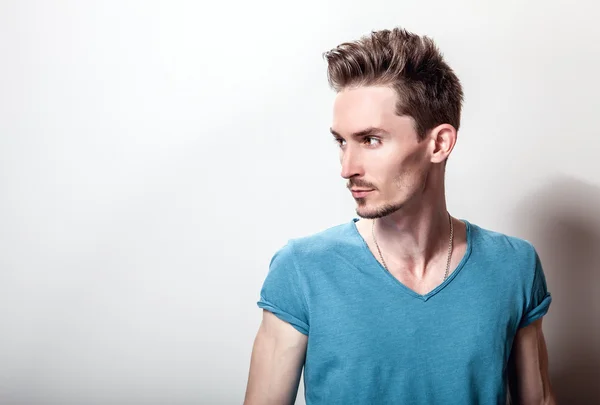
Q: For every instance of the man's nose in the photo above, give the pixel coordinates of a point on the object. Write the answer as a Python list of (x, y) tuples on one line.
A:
[(351, 166)]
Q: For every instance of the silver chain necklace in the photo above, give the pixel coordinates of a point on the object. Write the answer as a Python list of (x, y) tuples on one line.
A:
[(450, 245)]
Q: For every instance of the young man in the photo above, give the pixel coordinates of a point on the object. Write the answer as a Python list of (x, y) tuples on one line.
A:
[(406, 305)]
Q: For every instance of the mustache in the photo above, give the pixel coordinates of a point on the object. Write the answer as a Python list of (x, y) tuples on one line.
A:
[(359, 184)]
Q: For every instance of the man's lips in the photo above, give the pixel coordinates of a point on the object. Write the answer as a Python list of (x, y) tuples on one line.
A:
[(357, 193)]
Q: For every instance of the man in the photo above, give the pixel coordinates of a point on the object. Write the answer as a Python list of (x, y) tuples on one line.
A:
[(406, 305)]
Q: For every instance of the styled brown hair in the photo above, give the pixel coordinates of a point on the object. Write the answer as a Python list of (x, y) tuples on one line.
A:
[(427, 88)]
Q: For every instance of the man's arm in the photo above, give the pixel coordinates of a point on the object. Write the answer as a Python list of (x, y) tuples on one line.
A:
[(529, 381), (276, 364)]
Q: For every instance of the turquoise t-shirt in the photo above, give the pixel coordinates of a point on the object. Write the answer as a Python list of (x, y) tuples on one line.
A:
[(372, 340)]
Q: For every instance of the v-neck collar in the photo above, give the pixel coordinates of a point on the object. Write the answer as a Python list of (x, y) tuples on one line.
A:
[(372, 260)]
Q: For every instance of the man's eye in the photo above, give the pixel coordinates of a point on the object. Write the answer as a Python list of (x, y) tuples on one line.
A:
[(339, 141), (370, 138)]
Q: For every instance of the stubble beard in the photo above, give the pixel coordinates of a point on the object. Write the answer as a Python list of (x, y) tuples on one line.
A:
[(386, 209), (378, 212)]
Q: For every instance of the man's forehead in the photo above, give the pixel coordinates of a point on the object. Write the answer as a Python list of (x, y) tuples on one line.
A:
[(364, 107), (372, 98), (357, 110)]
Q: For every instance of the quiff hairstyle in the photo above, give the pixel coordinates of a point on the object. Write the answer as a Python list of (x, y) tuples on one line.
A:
[(428, 89)]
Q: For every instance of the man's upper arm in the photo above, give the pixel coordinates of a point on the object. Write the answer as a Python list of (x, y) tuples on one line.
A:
[(280, 346), (529, 381), (276, 364)]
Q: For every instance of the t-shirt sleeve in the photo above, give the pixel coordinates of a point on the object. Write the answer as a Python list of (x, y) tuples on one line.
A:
[(282, 292), (539, 299)]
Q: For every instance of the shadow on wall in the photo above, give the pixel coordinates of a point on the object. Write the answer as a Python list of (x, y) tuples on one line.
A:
[(562, 220)]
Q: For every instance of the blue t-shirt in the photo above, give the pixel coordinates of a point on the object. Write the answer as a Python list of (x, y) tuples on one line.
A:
[(372, 340)]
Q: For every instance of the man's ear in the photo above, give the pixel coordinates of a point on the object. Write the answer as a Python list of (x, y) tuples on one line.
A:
[(443, 139)]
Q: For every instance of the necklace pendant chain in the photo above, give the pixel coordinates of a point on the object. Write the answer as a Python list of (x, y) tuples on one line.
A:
[(450, 246)]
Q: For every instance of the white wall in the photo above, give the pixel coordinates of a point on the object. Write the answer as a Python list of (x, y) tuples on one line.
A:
[(153, 155)]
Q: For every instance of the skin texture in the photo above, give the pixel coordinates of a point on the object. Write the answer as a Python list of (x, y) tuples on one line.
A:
[(529, 381), (276, 364), (380, 151)]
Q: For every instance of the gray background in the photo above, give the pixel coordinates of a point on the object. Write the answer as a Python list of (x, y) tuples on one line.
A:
[(154, 155)]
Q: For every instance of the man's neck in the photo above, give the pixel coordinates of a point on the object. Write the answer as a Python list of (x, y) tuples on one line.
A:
[(414, 241)]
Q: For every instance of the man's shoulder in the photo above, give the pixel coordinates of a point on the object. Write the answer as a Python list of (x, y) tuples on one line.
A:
[(508, 246), (320, 245), (315, 250), (330, 237)]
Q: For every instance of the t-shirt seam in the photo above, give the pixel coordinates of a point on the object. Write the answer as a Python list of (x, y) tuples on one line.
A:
[(529, 300), (535, 276), (300, 283)]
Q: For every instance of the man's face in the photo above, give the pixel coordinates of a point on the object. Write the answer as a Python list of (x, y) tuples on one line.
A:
[(379, 150)]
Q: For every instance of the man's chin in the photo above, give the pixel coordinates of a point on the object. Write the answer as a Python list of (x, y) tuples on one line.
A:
[(367, 214), (377, 212)]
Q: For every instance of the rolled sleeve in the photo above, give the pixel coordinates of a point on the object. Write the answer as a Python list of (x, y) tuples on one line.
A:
[(282, 294), (539, 299)]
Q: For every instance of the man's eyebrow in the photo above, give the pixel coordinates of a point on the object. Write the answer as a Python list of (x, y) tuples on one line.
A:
[(364, 132)]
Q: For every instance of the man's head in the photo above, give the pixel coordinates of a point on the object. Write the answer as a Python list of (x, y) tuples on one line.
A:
[(396, 116)]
